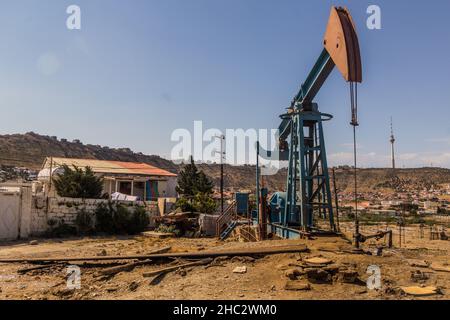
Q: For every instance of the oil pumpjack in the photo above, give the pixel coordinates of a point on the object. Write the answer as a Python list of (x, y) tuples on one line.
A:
[(301, 136)]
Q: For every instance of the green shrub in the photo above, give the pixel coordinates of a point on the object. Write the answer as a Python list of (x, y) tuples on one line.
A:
[(139, 221), (118, 219), (59, 229), (204, 203), (184, 204), (104, 218), (84, 222), (163, 228), (201, 202), (122, 219)]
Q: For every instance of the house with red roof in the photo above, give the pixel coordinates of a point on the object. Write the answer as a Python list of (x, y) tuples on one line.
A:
[(141, 180)]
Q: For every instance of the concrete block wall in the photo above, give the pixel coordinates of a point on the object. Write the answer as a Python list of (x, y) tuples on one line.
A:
[(66, 209), (25, 211)]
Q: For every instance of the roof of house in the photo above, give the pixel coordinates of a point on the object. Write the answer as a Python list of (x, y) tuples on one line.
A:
[(111, 167)]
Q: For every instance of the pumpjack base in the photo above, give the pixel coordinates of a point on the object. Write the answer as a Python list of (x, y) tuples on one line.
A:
[(293, 233)]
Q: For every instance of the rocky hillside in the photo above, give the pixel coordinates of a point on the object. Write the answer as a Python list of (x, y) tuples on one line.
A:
[(30, 149), (381, 179)]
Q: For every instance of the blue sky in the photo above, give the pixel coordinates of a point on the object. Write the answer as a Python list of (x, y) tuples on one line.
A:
[(137, 70)]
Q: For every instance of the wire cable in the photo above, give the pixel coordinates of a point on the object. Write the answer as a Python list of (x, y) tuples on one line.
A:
[(354, 123)]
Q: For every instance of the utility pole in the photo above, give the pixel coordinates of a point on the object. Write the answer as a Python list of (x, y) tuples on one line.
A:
[(258, 193), (49, 185), (392, 148), (222, 153), (50, 174)]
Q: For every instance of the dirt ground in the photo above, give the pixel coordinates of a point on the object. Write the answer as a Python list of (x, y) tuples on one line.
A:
[(265, 277)]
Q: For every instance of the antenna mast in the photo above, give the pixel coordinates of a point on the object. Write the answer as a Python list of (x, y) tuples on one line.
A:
[(392, 148)]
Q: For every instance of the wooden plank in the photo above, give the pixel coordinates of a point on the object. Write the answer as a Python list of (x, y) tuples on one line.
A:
[(193, 255), (96, 258), (126, 267), (47, 266), (176, 267)]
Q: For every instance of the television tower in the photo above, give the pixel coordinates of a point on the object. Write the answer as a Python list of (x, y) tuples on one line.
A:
[(392, 148)]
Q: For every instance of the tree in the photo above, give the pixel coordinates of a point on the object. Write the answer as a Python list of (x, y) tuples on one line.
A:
[(187, 180), (192, 181), (78, 183), (204, 184)]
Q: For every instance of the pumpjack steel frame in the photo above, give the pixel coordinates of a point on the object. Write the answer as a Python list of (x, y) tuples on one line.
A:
[(308, 182)]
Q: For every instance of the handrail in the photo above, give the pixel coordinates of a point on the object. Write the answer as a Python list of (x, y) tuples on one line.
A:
[(249, 236), (227, 216)]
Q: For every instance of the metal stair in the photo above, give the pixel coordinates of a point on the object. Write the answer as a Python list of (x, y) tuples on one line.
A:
[(230, 227), (226, 221)]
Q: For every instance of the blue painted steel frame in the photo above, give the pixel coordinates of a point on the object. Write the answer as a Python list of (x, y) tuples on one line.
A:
[(304, 150), (301, 158), (283, 232), (309, 89)]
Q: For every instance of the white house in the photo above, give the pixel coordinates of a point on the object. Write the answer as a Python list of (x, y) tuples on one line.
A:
[(131, 178)]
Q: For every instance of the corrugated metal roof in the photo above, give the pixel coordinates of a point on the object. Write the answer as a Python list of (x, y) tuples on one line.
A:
[(113, 167)]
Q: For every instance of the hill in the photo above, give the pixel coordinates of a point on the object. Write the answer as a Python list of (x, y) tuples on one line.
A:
[(30, 149)]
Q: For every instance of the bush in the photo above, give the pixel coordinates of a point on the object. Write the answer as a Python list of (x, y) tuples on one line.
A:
[(201, 202), (204, 203), (84, 222), (184, 204), (104, 218), (163, 228), (121, 219), (59, 229), (139, 221), (118, 219)]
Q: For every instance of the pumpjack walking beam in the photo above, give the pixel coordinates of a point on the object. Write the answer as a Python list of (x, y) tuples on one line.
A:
[(308, 182)]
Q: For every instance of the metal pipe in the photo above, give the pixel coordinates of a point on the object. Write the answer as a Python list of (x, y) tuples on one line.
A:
[(336, 199)]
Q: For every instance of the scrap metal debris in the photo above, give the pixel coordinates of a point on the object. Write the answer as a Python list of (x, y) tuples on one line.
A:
[(240, 270), (297, 286), (420, 291)]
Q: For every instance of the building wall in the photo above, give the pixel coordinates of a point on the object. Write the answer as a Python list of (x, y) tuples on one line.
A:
[(166, 189), (66, 209), (30, 212), (15, 211), (9, 215), (25, 211), (170, 187)]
